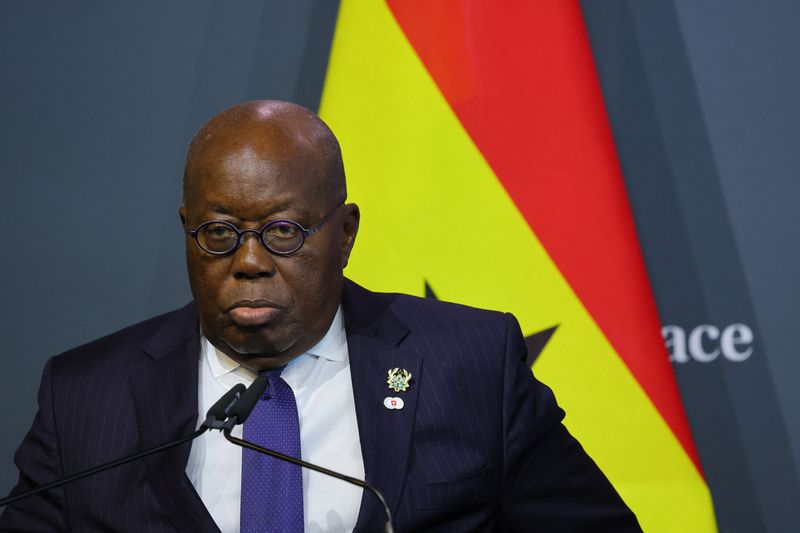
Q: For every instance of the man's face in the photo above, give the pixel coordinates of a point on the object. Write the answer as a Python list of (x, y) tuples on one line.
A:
[(259, 308)]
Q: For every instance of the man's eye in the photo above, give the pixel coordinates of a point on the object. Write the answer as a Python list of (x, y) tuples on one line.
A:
[(219, 232), (283, 231)]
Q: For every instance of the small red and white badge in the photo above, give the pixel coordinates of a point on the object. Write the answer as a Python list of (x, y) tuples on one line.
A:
[(391, 402)]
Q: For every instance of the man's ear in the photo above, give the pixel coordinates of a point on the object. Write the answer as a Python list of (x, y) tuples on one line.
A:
[(350, 221), (182, 214)]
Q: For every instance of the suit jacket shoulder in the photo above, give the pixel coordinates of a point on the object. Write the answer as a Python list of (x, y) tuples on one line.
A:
[(125, 392), (155, 334), (371, 311)]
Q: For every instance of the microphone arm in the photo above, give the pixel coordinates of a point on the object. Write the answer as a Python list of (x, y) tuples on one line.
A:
[(216, 416)]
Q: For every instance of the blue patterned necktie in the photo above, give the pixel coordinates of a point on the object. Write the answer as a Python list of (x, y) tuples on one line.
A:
[(272, 490)]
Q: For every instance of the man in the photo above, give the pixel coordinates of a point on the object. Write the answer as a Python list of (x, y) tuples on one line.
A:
[(428, 401)]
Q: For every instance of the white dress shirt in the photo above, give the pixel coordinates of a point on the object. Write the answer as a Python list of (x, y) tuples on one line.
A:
[(323, 390)]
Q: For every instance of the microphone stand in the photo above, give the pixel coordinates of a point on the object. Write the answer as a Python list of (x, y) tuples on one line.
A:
[(388, 527)]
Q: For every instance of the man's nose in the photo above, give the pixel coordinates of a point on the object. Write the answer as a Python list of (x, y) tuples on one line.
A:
[(252, 259)]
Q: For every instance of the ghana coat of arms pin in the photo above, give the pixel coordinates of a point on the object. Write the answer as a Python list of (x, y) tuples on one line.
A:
[(399, 379)]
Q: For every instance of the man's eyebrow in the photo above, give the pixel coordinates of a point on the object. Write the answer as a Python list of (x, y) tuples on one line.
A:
[(286, 206), (223, 210)]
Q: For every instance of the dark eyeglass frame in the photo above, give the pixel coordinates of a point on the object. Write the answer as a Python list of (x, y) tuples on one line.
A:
[(306, 233)]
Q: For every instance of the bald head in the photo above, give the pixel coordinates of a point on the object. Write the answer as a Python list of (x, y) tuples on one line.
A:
[(283, 134)]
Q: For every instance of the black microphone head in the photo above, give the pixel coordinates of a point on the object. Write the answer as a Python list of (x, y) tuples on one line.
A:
[(220, 411), (247, 401)]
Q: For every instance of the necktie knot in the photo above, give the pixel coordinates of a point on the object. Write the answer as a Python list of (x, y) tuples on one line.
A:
[(274, 381)]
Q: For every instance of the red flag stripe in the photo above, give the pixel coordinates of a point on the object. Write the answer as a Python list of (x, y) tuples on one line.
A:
[(522, 82)]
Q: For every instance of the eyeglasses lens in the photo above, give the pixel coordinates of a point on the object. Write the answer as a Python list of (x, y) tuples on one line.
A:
[(218, 238), (283, 236)]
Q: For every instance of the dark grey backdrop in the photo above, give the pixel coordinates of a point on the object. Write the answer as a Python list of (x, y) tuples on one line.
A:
[(98, 101)]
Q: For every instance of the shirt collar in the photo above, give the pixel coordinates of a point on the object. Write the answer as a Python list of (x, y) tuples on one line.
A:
[(332, 346)]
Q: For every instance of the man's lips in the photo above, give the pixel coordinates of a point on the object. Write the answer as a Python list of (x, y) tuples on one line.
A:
[(250, 313)]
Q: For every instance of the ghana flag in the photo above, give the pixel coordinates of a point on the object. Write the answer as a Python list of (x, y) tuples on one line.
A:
[(478, 147)]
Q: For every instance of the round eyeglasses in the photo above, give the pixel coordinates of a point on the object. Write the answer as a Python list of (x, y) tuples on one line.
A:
[(280, 237)]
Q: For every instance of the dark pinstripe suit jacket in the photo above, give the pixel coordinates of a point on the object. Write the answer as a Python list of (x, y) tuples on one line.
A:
[(479, 445)]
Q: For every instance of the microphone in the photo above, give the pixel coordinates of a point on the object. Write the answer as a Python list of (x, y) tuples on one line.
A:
[(241, 411), (215, 418), (220, 411), (247, 402)]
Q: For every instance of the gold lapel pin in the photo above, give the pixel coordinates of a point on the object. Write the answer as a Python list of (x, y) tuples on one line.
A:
[(399, 379)]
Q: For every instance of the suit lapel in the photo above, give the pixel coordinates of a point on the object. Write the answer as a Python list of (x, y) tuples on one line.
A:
[(165, 396), (374, 337)]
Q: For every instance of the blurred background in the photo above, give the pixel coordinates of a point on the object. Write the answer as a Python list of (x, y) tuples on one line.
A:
[(99, 100)]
